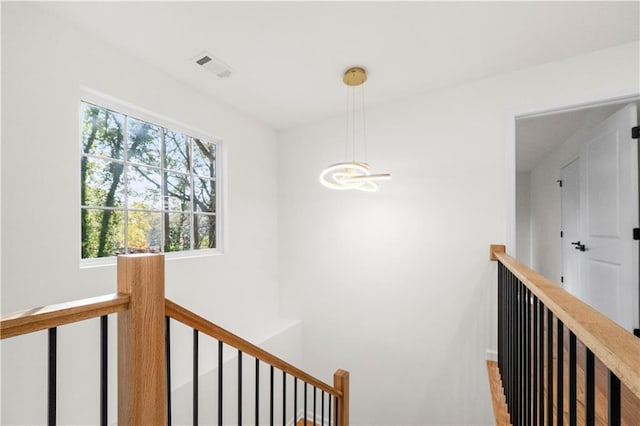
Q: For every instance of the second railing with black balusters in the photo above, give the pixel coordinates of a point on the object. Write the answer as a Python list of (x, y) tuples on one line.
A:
[(281, 394), (560, 361)]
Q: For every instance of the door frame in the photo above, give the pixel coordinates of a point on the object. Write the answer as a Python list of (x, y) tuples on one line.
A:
[(510, 171)]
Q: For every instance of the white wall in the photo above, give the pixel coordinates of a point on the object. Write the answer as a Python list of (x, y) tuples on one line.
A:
[(523, 217), (45, 62), (396, 286)]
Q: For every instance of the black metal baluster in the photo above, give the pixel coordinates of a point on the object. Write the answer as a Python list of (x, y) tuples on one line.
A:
[(521, 334), (167, 348), (330, 399), (614, 400), (52, 372), (573, 389), (525, 364), (305, 404), (507, 341), (500, 320), (530, 397), (257, 398), (284, 399), (271, 396), (314, 405), (195, 377), (514, 339), (499, 316), (509, 347), (540, 363), (560, 374), (534, 361), (322, 408), (104, 376), (507, 359), (590, 384), (525, 367), (514, 375), (504, 368), (220, 378), (295, 401), (239, 387), (549, 367), (516, 355), (516, 352)]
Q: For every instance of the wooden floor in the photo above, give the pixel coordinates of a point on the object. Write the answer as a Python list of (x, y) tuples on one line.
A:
[(630, 411)]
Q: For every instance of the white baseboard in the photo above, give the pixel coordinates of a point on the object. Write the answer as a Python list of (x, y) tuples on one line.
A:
[(492, 355)]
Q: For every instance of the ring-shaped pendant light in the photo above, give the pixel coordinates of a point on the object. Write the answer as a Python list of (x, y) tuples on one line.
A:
[(353, 174)]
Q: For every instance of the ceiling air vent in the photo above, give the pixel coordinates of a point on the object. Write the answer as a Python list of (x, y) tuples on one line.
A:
[(213, 64)]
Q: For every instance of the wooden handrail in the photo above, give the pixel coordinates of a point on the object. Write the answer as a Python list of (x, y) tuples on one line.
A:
[(205, 326), (617, 348), (36, 319)]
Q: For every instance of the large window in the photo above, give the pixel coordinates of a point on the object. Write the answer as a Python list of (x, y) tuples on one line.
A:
[(144, 188)]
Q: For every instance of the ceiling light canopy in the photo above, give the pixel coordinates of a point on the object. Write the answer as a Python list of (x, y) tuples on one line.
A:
[(353, 174)]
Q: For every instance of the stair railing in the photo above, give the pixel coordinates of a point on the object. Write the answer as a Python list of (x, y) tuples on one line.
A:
[(53, 316), (144, 353), (544, 331)]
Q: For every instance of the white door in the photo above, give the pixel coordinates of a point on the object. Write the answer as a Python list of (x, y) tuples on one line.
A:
[(609, 212), (570, 206)]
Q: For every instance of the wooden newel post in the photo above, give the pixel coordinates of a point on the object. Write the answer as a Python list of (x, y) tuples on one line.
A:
[(341, 382), (141, 354)]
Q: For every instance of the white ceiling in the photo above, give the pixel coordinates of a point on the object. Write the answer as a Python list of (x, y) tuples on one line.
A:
[(289, 57)]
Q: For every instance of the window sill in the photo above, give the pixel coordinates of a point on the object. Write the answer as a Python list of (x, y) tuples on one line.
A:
[(112, 261)]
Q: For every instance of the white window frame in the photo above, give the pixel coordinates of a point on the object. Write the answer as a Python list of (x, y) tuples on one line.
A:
[(118, 106)]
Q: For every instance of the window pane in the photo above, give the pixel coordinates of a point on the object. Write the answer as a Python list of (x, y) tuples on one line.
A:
[(143, 188), (102, 132), (178, 232), (176, 148), (101, 183), (204, 195), (204, 158), (144, 233), (144, 142), (178, 192), (205, 231), (102, 233)]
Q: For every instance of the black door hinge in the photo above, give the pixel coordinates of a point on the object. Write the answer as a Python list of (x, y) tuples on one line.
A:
[(559, 182), (636, 233), (561, 234), (562, 279), (635, 132)]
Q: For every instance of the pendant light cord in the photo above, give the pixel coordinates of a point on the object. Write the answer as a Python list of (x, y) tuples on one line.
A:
[(364, 127), (346, 127), (353, 121), (350, 136)]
